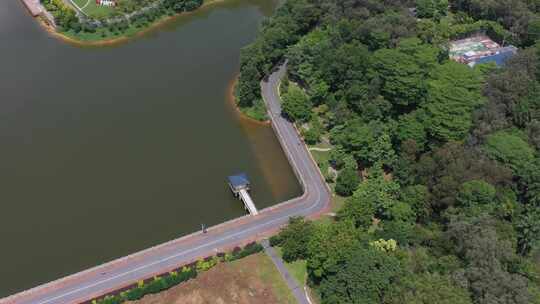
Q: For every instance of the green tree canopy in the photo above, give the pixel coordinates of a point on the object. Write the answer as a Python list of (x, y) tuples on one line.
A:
[(431, 8), (528, 229), (477, 197), (509, 149), (410, 127), (374, 197), (296, 105), (430, 288), (329, 247), (368, 143), (489, 271), (347, 181), (452, 94), (366, 276), (418, 197), (294, 239), (403, 81)]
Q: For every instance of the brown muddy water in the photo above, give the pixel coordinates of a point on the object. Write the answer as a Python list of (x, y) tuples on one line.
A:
[(107, 151)]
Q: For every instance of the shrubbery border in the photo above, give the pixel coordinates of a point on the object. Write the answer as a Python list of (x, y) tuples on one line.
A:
[(173, 278)]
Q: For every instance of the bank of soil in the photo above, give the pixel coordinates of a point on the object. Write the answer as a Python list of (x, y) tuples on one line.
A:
[(253, 279)]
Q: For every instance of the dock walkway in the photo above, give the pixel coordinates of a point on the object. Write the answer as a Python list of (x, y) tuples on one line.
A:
[(250, 206)]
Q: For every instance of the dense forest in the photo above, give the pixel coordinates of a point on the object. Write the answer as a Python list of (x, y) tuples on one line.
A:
[(439, 161)]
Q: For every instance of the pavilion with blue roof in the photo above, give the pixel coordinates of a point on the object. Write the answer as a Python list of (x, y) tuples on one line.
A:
[(239, 185), (238, 182)]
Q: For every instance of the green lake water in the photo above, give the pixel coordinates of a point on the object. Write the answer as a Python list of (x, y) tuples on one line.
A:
[(107, 151)]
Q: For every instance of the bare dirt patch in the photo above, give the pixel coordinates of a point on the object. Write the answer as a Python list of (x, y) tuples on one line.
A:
[(250, 280)]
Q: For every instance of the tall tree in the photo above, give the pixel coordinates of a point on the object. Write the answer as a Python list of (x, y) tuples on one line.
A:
[(528, 230), (431, 8), (366, 276), (347, 181), (453, 93), (489, 263), (296, 105), (294, 239), (375, 197)]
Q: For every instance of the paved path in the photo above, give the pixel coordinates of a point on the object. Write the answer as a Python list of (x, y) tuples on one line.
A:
[(75, 6), (296, 289), (125, 271), (320, 149), (34, 7), (87, 3)]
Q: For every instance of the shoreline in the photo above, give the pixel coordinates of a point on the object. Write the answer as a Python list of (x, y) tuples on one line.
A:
[(123, 38), (97, 281), (232, 100)]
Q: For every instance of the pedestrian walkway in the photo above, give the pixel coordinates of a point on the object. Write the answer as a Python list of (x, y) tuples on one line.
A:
[(34, 6), (297, 290)]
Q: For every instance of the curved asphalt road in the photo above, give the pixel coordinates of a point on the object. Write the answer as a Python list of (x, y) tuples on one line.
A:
[(116, 274)]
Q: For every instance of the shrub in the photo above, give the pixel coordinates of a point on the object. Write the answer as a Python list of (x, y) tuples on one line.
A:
[(347, 181), (174, 278), (311, 136), (207, 264), (250, 249)]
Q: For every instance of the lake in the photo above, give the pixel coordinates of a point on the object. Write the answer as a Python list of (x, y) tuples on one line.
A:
[(107, 151)]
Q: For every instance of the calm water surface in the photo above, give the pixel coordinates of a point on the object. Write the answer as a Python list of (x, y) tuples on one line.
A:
[(106, 151)]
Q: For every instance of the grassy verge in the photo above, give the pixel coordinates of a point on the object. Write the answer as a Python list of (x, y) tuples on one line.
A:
[(270, 275), (298, 269), (337, 200), (322, 158), (256, 112)]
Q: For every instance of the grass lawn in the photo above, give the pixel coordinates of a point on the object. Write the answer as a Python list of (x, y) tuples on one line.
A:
[(90, 8), (337, 200), (98, 11), (253, 279), (298, 269), (322, 145), (269, 274), (321, 156)]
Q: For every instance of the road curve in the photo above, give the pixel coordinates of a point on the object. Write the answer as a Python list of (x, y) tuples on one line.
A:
[(125, 271)]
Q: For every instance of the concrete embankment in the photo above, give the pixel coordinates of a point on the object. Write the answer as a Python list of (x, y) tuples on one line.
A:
[(34, 7)]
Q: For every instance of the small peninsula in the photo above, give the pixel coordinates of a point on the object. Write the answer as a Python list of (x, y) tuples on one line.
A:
[(97, 22)]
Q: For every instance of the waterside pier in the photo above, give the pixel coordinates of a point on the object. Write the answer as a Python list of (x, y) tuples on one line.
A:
[(240, 186)]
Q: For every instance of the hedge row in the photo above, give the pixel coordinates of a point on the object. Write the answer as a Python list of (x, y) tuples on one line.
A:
[(173, 278)]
